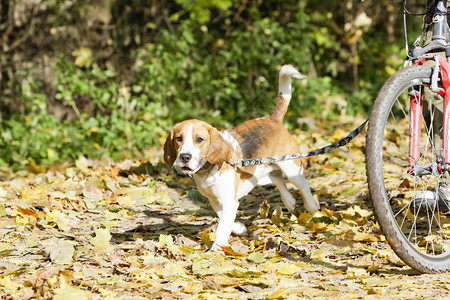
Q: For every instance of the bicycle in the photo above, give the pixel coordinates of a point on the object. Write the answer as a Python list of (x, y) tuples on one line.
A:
[(408, 149)]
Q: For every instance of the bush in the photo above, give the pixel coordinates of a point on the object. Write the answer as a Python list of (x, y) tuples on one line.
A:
[(124, 73)]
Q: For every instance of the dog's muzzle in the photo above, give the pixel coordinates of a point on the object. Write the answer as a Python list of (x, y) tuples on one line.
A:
[(185, 157)]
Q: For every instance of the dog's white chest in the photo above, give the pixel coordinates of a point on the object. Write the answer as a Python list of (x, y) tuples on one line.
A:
[(215, 184)]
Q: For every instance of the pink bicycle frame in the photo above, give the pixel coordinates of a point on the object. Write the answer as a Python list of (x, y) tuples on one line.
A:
[(416, 113)]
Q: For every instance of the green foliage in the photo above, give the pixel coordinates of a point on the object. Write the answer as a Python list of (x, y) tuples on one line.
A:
[(200, 10), (198, 74), (120, 82), (132, 123)]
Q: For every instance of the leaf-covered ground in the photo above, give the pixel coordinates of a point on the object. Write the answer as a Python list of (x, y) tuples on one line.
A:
[(137, 230)]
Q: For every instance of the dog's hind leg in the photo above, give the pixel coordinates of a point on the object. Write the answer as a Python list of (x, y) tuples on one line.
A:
[(286, 196), (295, 174)]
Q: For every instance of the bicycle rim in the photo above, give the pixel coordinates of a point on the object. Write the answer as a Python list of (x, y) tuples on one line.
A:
[(417, 229)]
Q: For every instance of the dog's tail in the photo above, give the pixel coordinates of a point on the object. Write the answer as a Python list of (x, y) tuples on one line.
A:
[(284, 91)]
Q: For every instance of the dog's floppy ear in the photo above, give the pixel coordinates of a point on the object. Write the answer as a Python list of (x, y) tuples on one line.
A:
[(170, 154), (219, 150)]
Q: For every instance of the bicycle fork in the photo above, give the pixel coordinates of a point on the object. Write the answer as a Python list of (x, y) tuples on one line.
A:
[(415, 112), (416, 109)]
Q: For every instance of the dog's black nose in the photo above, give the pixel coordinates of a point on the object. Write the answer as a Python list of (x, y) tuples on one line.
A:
[(185, 157)]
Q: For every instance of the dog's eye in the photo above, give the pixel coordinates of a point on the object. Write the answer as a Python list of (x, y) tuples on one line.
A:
[(179, 139), (200, 139)]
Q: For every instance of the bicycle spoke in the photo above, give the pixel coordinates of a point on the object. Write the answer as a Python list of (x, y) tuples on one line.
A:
[(409, 183), (420, 221)]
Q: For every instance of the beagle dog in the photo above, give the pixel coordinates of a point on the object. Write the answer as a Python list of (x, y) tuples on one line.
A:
[(201, 151)]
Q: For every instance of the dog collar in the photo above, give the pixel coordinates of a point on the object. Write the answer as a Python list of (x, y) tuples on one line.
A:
[(205, 169)]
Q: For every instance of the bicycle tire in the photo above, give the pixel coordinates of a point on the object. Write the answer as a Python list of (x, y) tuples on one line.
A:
[(395, 203)]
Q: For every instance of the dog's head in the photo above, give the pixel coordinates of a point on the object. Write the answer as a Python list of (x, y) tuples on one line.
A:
[(192, 143)]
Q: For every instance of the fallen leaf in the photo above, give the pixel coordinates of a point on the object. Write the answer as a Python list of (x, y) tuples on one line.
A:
[(288, 269), (357, 273), (2, 194), (63, 222), (83, 164), (83, 56), (264, 208), (101, 240), (70, 293), (256, 257), (277, 294), (248, 288), (27, 211), (92, 194), (277, 216), (193, 287), (9, 285), (38, 278), (61, 251), (30, 194)]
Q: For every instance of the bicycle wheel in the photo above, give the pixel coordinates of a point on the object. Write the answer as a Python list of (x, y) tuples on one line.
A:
[(417, 230)]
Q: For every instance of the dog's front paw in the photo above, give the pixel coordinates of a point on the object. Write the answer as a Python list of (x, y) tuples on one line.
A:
[(215, 248), (312, 204)]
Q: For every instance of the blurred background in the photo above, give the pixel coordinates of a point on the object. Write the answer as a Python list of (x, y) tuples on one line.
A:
[(108, 78)]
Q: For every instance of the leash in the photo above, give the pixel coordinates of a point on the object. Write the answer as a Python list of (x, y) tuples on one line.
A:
[(273, 159)]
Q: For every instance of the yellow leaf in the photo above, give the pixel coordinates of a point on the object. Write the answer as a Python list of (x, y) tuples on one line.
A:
[(185, 180), (194, 287), (165, 240), (124, 91), (22, 221), (374, 291), (338, 134), (126, 201), (60, 251), (171, 270), (277, 216), (53, 280), (70, 293), (223, 280), (264, 209), (410, 216), (33, 193), (34, 168), (8, 284), (145, 276), (304, 218), (207, 236), (362, 212), (357, 273), (350, 190), (256, 257), (28, 212), (50, 153), (83, 56), (59, 218), (366, 237), (136, 191), (288, 269), (231, 251), (106, 293), (160, 198), (277, 294), (2, 193), (82, 163), (321, 255), (318, 227), (350, 211), (327, 212), (101, 240), (4, 246)]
